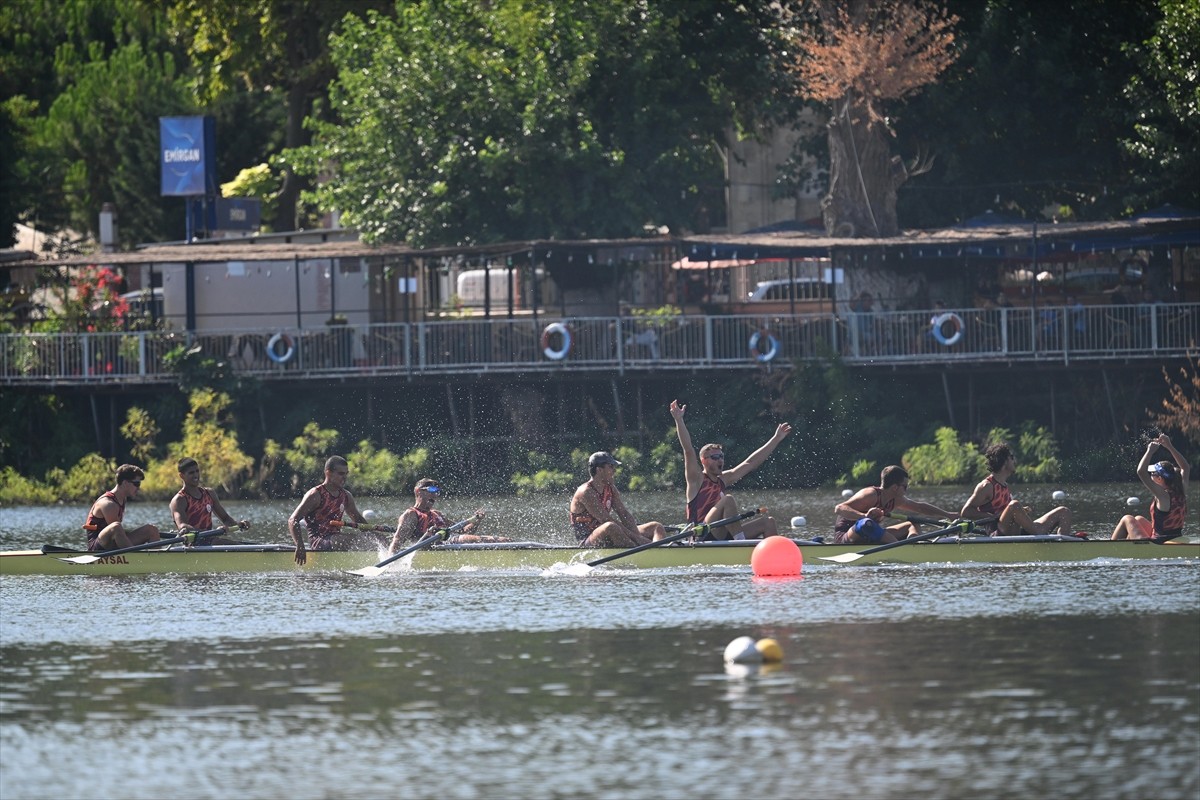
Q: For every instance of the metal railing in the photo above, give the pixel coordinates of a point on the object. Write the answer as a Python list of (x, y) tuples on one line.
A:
[(619, 344)]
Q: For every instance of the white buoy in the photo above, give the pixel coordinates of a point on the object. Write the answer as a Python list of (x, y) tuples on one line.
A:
[(742, 650), (1132, 501), (1059, 494), (369, 514), (799, 522), (847, 493)]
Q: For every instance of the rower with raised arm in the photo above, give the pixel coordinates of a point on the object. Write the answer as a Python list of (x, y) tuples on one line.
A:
[(599, 517), (322, 509), (992, 499), (1168, 482), (105, 524), (859, 518), (707, 481), (194, 506), (422, 519)]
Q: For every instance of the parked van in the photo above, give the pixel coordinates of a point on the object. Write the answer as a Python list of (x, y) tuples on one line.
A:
[(785, 290), (471, 283)]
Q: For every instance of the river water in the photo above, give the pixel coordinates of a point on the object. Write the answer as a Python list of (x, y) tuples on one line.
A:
[(1066, 680)]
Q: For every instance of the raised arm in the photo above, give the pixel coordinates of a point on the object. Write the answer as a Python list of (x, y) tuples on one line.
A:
[(692, 470), (1180, 461), (756, 459)]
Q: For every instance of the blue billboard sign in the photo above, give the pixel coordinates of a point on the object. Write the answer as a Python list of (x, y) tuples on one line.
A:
[(189, 156)]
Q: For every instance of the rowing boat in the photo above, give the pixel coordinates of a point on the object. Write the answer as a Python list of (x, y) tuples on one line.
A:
[(541, 556)]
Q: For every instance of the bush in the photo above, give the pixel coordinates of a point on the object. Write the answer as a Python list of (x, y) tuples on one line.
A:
[(945, 461)]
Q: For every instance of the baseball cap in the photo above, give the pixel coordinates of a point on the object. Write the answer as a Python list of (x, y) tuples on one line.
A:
[(869, 529), (1165, 469), (601, 457)]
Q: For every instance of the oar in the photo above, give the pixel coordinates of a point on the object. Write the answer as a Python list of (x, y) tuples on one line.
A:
[(688, 530), (444, 533), (337, 523), (846, 558), (186, 537), (918, 520)]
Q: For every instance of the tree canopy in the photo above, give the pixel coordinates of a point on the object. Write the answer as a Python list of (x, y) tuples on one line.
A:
[(446, 121), (470, 121)]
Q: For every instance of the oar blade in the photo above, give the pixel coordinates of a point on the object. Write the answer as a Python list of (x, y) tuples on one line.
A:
[(842, 558), (368, 572)]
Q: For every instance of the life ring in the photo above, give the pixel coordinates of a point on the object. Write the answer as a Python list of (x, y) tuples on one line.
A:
[(561, 352), (289, 348), (939, 328), (772, 346)]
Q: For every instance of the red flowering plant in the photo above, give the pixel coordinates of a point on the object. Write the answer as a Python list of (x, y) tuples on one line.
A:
[(90, 301)]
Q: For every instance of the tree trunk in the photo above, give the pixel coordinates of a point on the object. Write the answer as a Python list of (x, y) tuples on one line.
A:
[(299, 103), (863, 176)]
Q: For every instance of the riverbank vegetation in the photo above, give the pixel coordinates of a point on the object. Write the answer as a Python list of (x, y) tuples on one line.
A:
[(257, 442)]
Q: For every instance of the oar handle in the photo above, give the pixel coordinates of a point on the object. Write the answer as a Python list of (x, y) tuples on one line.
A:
[(963, 526), (919, 520), (688, 530), (190, 538)]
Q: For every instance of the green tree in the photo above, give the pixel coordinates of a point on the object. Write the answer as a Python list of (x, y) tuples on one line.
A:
[(99, 142), (274, 50), (859, 59), (308, 452), (1165, 97), (472, 120), (207, 437), (1032, 115), (141, 430)]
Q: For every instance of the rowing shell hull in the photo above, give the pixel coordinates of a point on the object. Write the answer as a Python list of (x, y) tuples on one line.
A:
[(534, 555)]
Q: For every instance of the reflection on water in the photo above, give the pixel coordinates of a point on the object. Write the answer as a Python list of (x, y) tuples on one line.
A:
[(897, 682), (1085, 706)]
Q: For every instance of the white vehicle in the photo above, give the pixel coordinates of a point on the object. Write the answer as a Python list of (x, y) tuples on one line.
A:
[(797, 288), (471, 284)]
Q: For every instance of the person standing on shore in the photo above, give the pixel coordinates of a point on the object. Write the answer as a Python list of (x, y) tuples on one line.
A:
[(105, 520), (1168, 482)]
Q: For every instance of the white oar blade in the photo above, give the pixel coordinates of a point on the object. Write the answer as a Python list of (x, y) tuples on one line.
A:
[(842, 558), (368, 572)]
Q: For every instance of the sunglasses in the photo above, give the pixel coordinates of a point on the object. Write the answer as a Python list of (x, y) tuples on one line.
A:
[(136, 483), (431, 489), (715, 456)]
